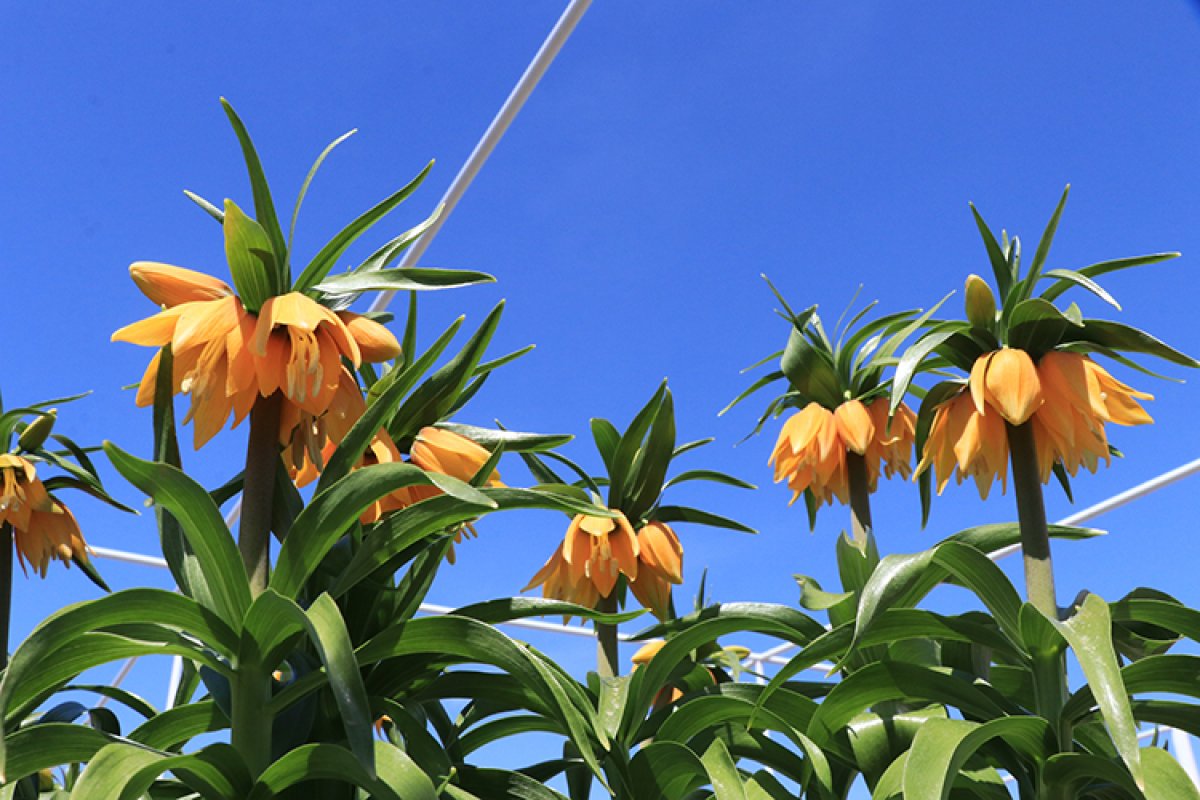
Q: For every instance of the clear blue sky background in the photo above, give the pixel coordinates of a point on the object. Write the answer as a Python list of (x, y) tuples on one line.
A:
[(673, 153)]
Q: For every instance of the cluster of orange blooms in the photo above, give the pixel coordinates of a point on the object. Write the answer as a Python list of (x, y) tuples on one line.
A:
[(598, 550), (812, 447), (43, 528), (1067, 398), (227, 358)]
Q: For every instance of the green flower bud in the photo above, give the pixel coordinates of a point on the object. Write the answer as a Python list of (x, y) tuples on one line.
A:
[(36, 432), (980, 302)]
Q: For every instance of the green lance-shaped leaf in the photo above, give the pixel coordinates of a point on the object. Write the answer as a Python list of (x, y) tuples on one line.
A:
[(1089, 633), (329, 634), (1092, 270), (50, 744), (264, 206), (513, 441), (810, 370), (202, 525), (128, 771), (653, 460), (1071, 772), (666, 769), (627, 450), (178, 725), (722, 772), (398, 531), (399, 778), (312, 173), (1165, 778), (251, 262), (1117, 336), (328, 255), (942, 748), (334, 510), (463, 638), (508, 609), (407, 279), (431, 401), (1001, 268)]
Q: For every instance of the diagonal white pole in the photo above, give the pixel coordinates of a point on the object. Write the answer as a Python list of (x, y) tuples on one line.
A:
[(491, 137), (559, 34)]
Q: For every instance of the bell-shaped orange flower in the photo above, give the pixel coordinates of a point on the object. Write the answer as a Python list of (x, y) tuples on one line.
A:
[(43, 528), (811, 450), (966, 444), (660, 565), (227, 358), (597, 551)]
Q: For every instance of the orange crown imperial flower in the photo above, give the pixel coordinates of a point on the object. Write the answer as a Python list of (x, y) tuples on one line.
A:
[(226, 357), (597, 551), (43, 528), (811, 450), (1067, 398), (434, 450)]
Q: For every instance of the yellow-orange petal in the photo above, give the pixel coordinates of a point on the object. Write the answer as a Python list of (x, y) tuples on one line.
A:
[(169, 286), (661, 551), (1012, 385), (854, 425), (375, 342)]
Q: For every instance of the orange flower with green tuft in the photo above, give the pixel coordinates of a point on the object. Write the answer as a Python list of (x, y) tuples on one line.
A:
[(43, 528), (632, 546), (844, 435), (233, 347), (1028, 365), (227, 358)]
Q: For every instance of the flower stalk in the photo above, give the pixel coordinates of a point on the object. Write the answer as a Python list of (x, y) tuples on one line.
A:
[(860, 499), (1031, 513), (6, 579), (251, 722), (262, 457), (607, 664), (1049, 667)]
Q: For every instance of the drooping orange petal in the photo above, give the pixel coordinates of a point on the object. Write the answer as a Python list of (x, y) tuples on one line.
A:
[(854, 425), (375, 342), (168, 286), (153, 331), (1012, 385)]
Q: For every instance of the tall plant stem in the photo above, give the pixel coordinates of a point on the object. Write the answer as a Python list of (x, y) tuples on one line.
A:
[(860, 500), (607, 663), (1031, 513), (262, 457), (250, 722), (6, 579), (1049, 666)]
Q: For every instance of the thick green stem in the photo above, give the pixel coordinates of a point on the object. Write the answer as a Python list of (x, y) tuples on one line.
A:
[(6, 579), (1049, 668), (1031, 513), (860, 500), (250, 726), (262, 457), (607, 663)]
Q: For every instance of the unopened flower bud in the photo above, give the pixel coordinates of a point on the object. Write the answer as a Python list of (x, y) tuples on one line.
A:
[(36, 432), (980, 302)]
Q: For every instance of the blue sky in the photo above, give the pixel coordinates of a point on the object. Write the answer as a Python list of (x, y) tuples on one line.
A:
[(672, 154)]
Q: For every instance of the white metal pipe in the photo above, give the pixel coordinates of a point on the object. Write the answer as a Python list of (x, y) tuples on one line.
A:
[(174, 681), (1117, 500), (128, 558), (508, 112), (1184, 753), (559, 34)]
